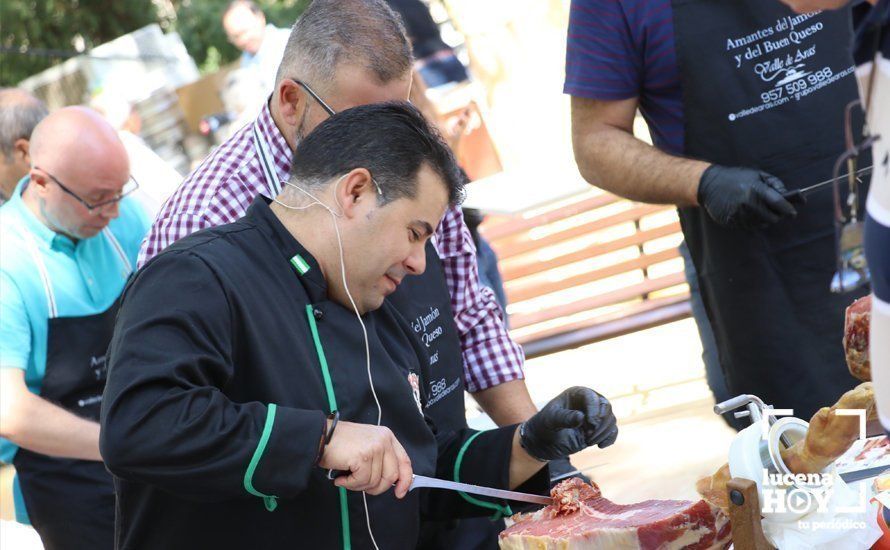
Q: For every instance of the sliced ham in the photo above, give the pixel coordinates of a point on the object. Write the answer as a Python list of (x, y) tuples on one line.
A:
[(582, 519), (856, 325)]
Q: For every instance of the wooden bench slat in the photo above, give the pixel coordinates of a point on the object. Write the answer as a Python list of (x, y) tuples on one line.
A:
[(524, 244), (648, 314), (628, 311), (594, 302), (528, 289), (527, 253), (530, 265), (519, 224)]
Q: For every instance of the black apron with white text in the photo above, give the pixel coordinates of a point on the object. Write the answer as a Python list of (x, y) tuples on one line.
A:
[(425, 303), (765, 88), (70, 502)]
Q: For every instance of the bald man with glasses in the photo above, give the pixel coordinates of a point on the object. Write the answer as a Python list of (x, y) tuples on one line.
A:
[(70, 237)]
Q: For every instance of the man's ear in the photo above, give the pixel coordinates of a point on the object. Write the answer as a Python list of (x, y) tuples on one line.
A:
[(356, 193), (292, 101), (39, 181), (21, 151)]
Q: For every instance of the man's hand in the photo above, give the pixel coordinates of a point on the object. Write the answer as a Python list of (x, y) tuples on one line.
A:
[(373, 457), (742, 198), (574, 420)]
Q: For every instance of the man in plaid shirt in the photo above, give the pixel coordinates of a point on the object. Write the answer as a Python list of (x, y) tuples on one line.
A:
[(339, 55)]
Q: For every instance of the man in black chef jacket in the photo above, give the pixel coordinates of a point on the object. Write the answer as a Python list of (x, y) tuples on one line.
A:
[(238, 373)]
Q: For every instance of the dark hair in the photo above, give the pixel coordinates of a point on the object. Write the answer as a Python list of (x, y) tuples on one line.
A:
[(19, 114), (249, 4), (391, 140), (331, 33)]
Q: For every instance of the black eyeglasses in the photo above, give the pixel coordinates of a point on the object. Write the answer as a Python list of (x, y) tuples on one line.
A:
[(128, 188), (315, 96)]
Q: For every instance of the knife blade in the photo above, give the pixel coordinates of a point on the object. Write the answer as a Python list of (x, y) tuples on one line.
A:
[(796, 196), (433, 483)]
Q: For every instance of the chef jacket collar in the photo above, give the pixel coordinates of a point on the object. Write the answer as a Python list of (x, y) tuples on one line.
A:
[(261, 216)]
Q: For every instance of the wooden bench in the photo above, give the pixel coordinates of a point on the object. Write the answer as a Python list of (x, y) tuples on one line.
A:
[(588, 268)]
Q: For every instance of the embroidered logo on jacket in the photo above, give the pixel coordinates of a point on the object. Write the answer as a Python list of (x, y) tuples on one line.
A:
[(415, 389)]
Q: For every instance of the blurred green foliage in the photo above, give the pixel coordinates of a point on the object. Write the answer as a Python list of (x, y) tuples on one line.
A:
[(36, 34), (29, 27)]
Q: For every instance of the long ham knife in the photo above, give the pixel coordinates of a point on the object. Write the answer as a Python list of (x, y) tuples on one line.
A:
[(796, 196), (433, 483)]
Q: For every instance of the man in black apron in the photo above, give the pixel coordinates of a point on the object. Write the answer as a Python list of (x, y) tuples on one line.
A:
[(69, 246), (778, 107), (760, 94)]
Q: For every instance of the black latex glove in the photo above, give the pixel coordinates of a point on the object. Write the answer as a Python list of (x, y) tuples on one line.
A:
[(742, 198), (561, 469), (574, 420)]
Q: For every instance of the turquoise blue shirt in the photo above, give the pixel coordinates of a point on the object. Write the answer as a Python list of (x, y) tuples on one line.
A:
[(85, 278)]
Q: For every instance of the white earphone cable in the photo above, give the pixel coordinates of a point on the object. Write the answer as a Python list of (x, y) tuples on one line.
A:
[(354, 309)]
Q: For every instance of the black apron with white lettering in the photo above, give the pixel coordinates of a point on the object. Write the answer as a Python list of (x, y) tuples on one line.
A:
[(765, 88), (70, 502), (425, 303)]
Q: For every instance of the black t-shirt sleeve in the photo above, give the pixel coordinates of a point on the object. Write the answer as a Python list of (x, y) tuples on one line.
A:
[(166, 420)]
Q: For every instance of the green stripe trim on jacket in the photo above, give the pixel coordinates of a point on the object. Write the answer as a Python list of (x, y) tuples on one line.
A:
[(500, 510), (270, 501), (332, 405), (325, 373)]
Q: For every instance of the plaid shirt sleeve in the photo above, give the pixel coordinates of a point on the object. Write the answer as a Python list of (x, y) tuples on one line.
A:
[(490, 356), (166, 231)]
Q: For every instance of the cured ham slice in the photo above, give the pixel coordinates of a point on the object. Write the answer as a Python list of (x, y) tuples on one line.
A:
[(582, 519), (856, 325)]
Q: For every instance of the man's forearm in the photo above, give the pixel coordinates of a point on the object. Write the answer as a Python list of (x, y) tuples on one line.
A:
[(507, 403), (522, 465), (611, 158), (39, 426)]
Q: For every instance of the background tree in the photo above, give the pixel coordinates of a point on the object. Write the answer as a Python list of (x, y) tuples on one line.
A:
[(36, 34)]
